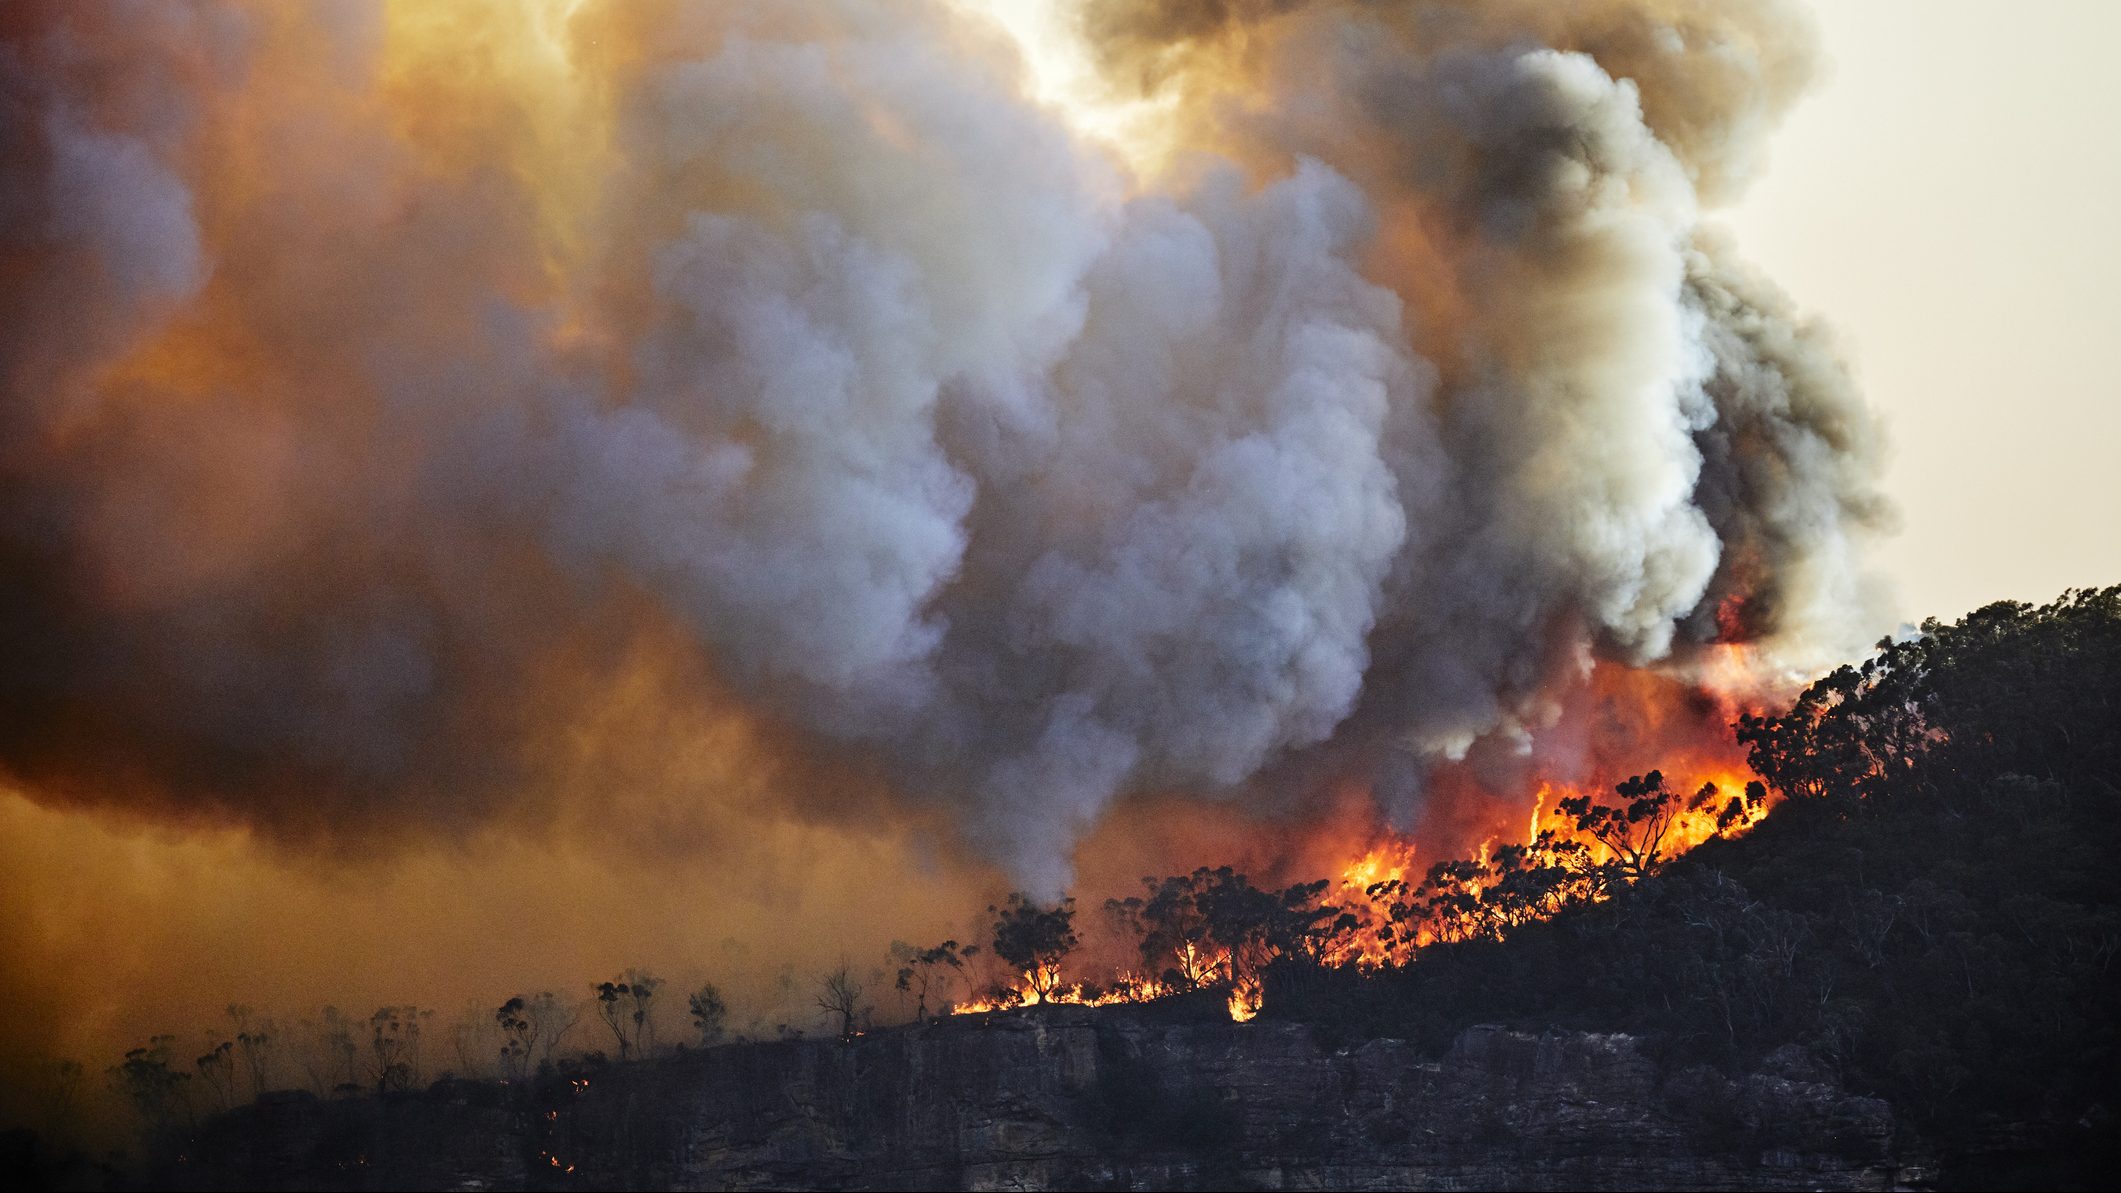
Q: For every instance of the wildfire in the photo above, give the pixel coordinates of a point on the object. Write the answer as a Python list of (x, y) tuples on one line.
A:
[(1366, 887), (1380, 917), (1585, 836), (1027, 992)]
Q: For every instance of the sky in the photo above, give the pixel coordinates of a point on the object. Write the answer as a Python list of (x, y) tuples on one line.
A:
[(1945, 198)]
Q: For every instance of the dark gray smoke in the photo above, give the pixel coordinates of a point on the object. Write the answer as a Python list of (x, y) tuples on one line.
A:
[(386, 401)]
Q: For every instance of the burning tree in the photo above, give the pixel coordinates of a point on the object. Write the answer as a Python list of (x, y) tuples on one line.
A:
[(1172, 928), (1634, 830), (1213, 926), (1032, 939)]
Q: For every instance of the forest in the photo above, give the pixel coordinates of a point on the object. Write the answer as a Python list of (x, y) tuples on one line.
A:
[(1917, 899)]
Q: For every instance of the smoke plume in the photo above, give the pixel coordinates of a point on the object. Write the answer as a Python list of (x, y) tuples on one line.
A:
[(637, 419)]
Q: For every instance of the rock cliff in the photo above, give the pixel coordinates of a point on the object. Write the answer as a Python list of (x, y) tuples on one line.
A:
[(1162, 1097)]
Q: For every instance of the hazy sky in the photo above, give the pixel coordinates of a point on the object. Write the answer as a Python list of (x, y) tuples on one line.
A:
[(1946, 197)]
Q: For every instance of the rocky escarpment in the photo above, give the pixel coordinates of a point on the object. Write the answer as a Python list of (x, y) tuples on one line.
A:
[(1068, 1097)]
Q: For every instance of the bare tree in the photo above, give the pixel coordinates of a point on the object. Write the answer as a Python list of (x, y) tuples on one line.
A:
[(256, 1038), (330, 1055), (840, 995), (217, 1072), (395, 1043), (555, 1020)]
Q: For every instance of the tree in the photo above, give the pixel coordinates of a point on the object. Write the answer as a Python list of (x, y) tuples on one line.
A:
[(1170, 923), (255, 1040), (217, 1072), (840, 995), (1302, 926), (519, 1036), (335, 1055), (626, 1005), (394, 1044), (532, 1027), (925, 971), (1635, 829), (1033, 940), (2008, 689), (148, 1084), (709, 1013)]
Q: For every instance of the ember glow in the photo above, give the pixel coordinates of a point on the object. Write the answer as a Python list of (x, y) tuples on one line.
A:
[(652, 475)]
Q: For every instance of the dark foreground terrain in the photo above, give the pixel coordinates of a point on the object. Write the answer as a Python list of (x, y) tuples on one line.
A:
[(1069, 1097)]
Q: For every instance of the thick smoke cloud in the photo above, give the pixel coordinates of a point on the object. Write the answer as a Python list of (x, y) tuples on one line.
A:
[(386, 401)]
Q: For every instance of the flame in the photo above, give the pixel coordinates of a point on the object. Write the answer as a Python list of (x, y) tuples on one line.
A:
[(1125, 988), (1383, 923), (1385, 908)]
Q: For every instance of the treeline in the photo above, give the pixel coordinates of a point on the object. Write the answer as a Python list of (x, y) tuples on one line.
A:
[(399, 1048), (1928, 914), (1212, 929), (1215, 929)]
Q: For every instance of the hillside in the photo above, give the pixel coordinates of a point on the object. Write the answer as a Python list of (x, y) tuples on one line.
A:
[(1903, 975), (1932, 916), (1167, 1096)]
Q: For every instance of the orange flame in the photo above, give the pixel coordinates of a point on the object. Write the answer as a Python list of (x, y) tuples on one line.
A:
[(1385, 908)]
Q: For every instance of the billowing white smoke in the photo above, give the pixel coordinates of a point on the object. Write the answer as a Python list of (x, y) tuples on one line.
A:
[(947, 444)]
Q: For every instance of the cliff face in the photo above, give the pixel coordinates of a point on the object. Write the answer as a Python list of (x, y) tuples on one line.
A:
[(1066, 1097)]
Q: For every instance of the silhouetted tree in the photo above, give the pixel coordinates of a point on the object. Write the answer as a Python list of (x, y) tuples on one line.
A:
[(217, 1072), (923, 973), (626, 1006), (150, 1086), (840, 996), (532, 1027), (255, 1042), (394, 1046), (1033, 939), (709, 1013), (1635, 829)]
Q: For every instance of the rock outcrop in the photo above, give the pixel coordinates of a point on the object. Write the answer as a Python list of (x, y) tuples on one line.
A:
[(1160, 1097)]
